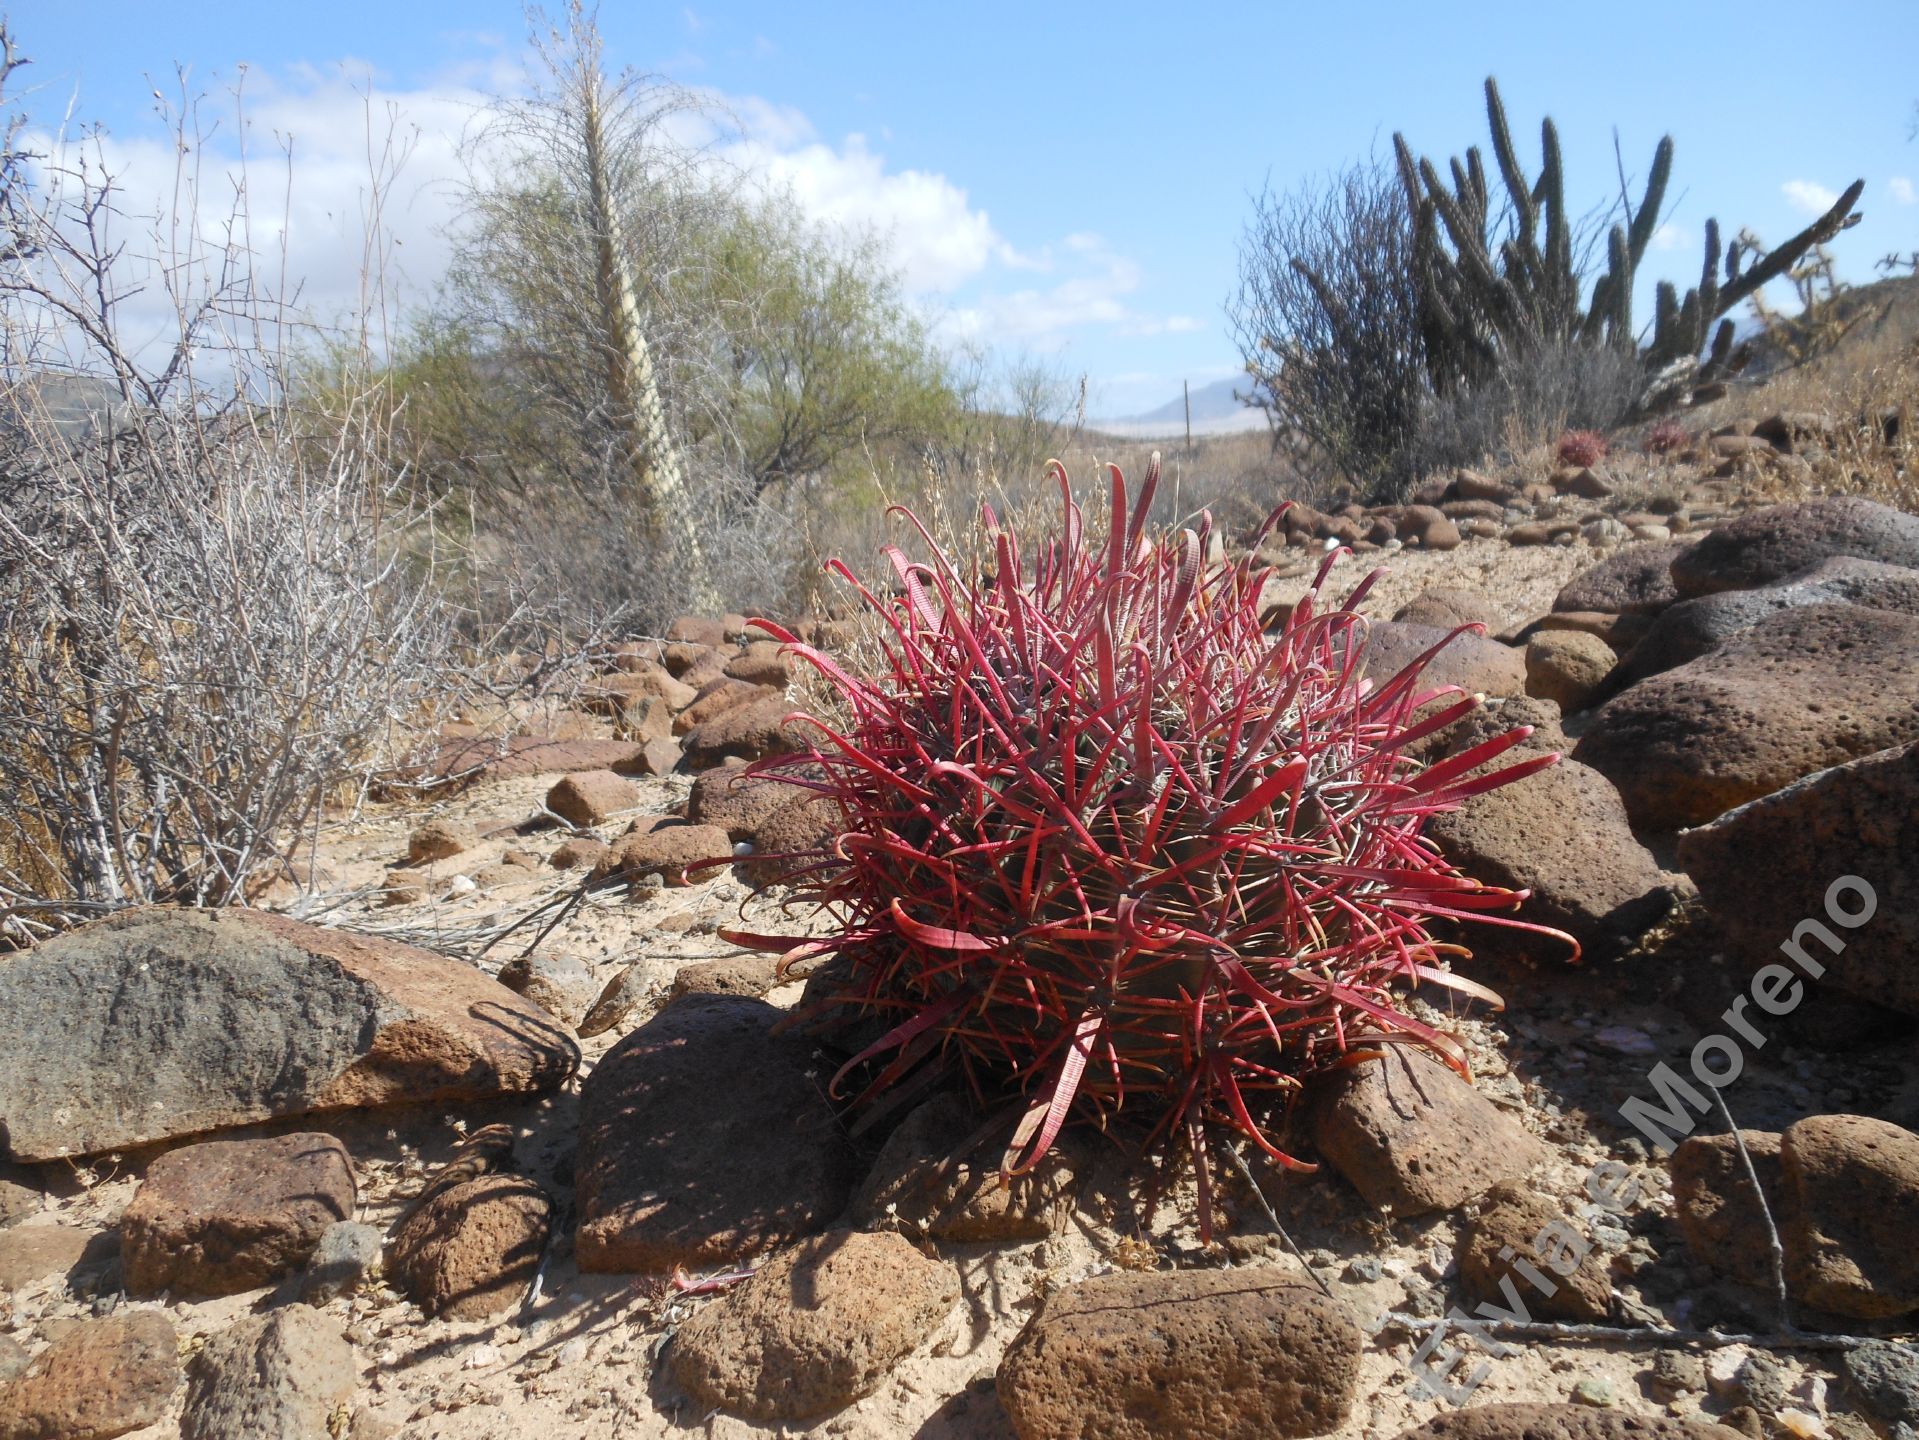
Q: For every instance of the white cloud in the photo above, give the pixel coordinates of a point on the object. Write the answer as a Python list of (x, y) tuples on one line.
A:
[(1095, 296), (1900, 187), (1809, 196), (312, 210), (938, 239), (1671, 237)]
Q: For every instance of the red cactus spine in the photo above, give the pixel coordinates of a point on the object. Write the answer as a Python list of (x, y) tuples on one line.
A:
[(1110, 848)]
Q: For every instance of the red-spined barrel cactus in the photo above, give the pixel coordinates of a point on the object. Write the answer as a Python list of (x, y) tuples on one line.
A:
[(1113, 851), (1584, 448)]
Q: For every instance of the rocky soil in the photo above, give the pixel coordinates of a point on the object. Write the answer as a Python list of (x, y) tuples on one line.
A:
[(367, 1161)]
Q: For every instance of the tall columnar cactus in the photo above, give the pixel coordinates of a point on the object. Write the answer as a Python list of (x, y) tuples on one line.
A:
[(1112, 852), (1486, 300)]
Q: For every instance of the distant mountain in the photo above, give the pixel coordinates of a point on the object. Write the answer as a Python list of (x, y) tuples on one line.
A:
[(1215, 412)]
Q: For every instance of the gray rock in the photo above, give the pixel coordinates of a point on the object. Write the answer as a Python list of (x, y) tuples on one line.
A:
[(348, 1251), (1884, 1375), (561, 985), (13, 1359), (159, 1023), (1781, 540), (269, 1377), (1699, 626), (1636, 581)]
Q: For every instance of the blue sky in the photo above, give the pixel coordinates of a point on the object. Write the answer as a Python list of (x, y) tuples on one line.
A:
[(1064, 180)]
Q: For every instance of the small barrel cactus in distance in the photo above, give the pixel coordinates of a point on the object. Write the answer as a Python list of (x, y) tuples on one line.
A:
[(1113, 853), (1584, 448)]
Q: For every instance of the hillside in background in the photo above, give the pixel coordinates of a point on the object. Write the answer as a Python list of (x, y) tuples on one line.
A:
[(1216, 411)]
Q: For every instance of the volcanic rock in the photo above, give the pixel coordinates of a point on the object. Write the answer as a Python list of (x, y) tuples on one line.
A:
[(1412, 1137), (706, 1138), (1795, 693), (1779, 541), (815, 1329), (229, 1215), (157, 1023), (1243, 1354)]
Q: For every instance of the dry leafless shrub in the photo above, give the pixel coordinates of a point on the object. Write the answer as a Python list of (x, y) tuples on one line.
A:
[(207, 629)]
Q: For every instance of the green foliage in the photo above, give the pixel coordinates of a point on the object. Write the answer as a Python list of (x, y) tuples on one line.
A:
[(783, 348), (823, 355)]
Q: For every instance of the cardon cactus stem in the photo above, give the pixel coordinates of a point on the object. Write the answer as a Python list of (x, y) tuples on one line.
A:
[(1111, 852)]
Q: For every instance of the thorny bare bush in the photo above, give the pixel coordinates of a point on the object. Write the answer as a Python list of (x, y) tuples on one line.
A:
[(206, 629)]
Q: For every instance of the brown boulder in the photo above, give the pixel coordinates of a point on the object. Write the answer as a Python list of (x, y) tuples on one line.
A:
[(673, 852), (1412, 1137), (815, 1329), (1714, 1206), (920, 1183), (1562, 834), (706, 1138), (461, 761), (798, 834), (1242, 1354), (98, 1379), (580, 850), (30, 1253), (1799, 691), (1699, 626), (1474, 663), (1567, 667), (762, 662), (749, 975), (1779, 541), (230, 1215), (1860, 819), (592, 797), (157, 1023), (718, 698), (439, 840), (471, 1249), (1517, 1224), (1855, 1187), (738, 803), (1428, 527), (616, 695), (1637, 580), (709, 630), (1447, 607), (1585, 483), (1562, 1422), (747, 732)]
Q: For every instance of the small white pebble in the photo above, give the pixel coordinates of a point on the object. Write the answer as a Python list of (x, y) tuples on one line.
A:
[(481, 1356)]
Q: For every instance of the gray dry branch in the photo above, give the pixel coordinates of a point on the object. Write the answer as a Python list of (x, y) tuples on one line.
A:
[(205, 630)]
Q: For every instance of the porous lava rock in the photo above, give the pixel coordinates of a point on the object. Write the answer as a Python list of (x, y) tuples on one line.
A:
[(706, 1138), (1773, 543), (159, 1023), (229, 1215), (815, 1329), (1799, 691), (1412, 1137), (1241, 1354)]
